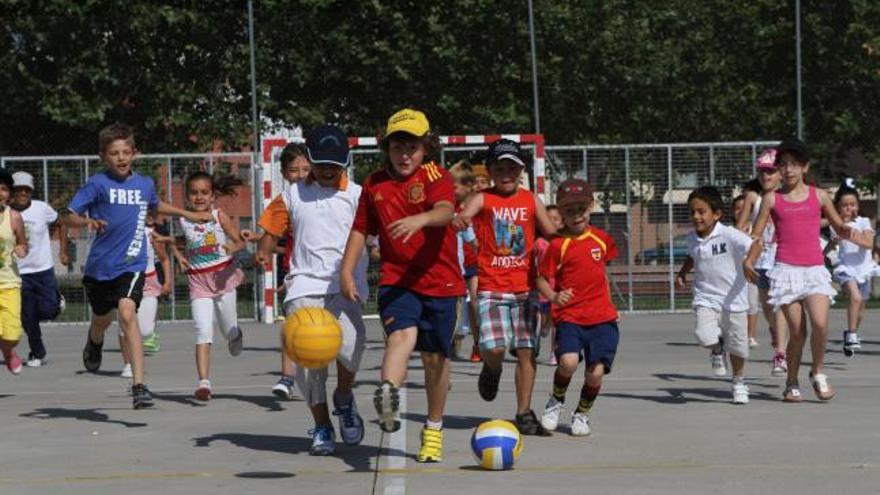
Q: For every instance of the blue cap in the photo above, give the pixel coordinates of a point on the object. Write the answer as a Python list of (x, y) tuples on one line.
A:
[(328, 144)]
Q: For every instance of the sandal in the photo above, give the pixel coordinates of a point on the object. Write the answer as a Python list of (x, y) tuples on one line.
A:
[(792, 394), (820, 386)]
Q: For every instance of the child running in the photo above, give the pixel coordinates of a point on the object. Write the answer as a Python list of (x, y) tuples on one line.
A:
[(768, 179), (506, 218), (754, 297), (542, 308), (856, 267), (13, 244), (463, 178), (117, 201), (409, 205), (585, 317), (799, 282), (321, 210), (213, 276), (715, 251), (481, 183)]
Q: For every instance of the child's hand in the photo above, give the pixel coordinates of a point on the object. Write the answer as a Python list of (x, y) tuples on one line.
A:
[(166, 289), (348, 287), (750, 273), (562, 297), (185, 264), (96, 225), (20, 250), (229, 247), (199, 216), (406, 227), (846, 232), (261, 259), (460, 223), (681, 281), (249, 236), (64, 258)]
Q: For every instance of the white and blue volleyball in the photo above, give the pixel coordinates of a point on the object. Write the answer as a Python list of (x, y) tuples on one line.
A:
[(496, 444)]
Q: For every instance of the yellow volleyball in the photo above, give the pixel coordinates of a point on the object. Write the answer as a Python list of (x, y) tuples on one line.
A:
[(312, 337)]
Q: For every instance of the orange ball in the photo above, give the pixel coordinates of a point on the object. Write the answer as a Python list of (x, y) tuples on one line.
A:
[(312, 337)]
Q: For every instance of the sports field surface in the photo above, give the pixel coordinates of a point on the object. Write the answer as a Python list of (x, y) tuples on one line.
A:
[(662, 424)]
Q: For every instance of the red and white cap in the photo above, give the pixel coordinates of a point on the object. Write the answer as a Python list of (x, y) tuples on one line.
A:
[(767, 160)]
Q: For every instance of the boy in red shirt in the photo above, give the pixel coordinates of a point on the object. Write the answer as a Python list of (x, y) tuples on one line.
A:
[(586, 320), (409, 205), (505, 217)]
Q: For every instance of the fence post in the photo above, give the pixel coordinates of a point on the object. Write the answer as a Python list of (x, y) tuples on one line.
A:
[(711, 165), (168, 195), (45, 180), (256, 195), (629, 249), (584, 161), (671, 240)]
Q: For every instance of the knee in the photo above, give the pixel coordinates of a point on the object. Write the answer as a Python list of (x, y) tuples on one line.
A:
[(595, 373), (568, 363)]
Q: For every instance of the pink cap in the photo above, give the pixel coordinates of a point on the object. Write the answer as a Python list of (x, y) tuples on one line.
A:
[(767, 160)]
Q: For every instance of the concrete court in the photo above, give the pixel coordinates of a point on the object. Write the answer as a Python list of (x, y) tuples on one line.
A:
[(663, 424)]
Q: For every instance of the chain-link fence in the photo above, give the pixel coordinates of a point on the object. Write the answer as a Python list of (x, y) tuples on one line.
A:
[(640, 190)]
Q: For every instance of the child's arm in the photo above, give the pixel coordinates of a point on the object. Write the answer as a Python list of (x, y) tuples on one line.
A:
[(357, 240), (75, 220), (181, 259), (471, 207), (251, 236), (544, 223), (767, 204), (742, 221), (63, 243), (165, 260), (438, 216), (164, 208), (21, 244), (686, 267), (235, 242), (843, 230), (560, 298), (265, 249)]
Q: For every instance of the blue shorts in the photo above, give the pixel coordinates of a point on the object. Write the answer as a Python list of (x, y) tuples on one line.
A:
[(763, 282), (434, 317), (596, 343), (470, 272)]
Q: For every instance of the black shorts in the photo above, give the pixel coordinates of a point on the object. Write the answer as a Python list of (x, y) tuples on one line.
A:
[(104, 295)]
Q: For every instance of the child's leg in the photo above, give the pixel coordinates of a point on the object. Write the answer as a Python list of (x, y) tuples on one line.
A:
[(592, 385), (752, 323), (30, 319), (851, 287), (146, 315), (127, 316), (473, 310), (817, 308), (226, 310), (525, 379), (567, 365), (398, 347), (288, 368), (797, 329), (203, 320), (734, 330), (436, 383)]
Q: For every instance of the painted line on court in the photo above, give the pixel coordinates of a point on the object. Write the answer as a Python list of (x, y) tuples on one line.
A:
[(396, 465)]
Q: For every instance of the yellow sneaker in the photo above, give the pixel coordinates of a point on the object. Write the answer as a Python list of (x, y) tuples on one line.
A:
[(432, 445)]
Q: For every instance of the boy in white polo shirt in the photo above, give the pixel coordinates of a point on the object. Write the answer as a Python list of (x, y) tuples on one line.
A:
[(716, 252), (321, 209)]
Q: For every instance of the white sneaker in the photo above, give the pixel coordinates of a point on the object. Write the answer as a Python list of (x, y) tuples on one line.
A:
[(284, 388), (126, 371), (580, 424), (740, 393), (34, 363), (323, 440), (550, 418), (718, 367), (753, 342)]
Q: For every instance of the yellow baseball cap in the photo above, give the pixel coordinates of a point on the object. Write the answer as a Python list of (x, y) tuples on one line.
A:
[(409, 121)]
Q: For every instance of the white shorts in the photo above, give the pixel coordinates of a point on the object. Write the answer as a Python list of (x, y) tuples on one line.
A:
[(713, 324), (754, 299), (312, 383), (790, 283)]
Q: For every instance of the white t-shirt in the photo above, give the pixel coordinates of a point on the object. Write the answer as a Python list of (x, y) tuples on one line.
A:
[(37, 219), (719, 282), (321, 218), (768, 252), (855, 260)]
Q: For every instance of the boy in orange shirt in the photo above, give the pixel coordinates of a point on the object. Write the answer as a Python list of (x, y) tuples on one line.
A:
[(409, 205), (504, 218), (585, 318)]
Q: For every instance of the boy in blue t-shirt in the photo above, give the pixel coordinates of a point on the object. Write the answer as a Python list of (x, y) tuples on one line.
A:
[(114, 203)]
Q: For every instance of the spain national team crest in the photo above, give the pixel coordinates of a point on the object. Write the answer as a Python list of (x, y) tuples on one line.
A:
[(597, 254), (416, 193)]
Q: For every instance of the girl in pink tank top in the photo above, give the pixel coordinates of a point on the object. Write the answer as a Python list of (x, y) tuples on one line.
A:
[(799, 282)]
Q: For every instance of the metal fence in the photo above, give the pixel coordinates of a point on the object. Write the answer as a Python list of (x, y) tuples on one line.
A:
[(640, 190)]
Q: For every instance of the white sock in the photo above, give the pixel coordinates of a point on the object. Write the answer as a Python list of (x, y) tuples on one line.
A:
[(434, 425)]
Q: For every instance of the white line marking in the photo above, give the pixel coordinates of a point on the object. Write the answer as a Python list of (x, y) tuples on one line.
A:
[(396, 484)]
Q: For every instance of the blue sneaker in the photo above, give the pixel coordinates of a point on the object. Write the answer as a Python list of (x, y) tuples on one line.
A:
[(351, 425), (323, 440)]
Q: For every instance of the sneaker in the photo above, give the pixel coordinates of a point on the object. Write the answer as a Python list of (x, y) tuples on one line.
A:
[(236, 344), (351, 425), (126, 371), (140, 396), (718, 367), (550, 418), (432, 445), (551, 361), (488, 383), (820, 386), (13, 362), (62, 303), (151, 344), (387, 402), (33, 362), (740, 393), (204, 392), (851, 343), (792, 393), (527, 424), (323, 440), (753, 342), (456, 346), (778, 366), (475, 354), (92, 355), (284, 388), (580, 424)]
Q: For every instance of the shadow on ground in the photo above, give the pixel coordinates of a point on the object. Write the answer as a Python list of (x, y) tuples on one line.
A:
[(92, 415)]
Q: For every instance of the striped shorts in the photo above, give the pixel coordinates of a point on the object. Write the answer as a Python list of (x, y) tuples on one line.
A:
[(507, 320)]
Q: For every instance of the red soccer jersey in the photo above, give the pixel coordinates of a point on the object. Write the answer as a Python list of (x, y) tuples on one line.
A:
[(428, 262), (578, 263), (505, 230)]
